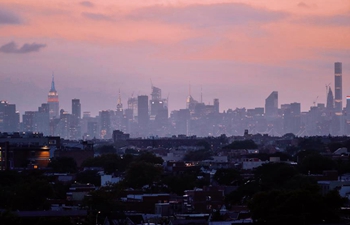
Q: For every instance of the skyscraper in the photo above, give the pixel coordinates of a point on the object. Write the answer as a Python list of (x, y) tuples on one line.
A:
[(271, 105), (330, 100), (216, 105), (142, 113), (9, 117), (338, 88), (52, 100), (76, 117), (105, 124), (76, 108)]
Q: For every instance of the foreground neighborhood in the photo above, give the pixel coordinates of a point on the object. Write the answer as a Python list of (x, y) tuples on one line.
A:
[(176, 180)]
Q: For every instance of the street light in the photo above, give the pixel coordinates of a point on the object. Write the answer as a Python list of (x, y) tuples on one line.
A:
[(97, 216)]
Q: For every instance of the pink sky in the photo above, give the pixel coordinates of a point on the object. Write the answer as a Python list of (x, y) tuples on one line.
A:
[(237, 51)]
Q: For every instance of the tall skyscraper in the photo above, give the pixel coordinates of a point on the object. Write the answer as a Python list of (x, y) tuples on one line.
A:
[(216, 105), (156, 103), (75, 128), (42, 119), (52, 100), (338, 88), (76, 108), (28, 121), (142, 114), (330, 100), (9, 117), (119, 104), (271, 105), (347, 115), (105, 124)]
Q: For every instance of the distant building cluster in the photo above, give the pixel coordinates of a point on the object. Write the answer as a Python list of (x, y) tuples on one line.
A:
[(148, 116)]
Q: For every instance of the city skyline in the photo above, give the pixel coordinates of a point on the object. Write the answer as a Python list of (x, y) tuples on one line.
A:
[(149, 117), (235, 51)]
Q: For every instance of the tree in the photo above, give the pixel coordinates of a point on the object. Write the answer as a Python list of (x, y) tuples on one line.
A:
[(149, 157), (109, 162), (292, 207), (142, 173), (63, 165), (227, 176), (274, 175), (179, 183), (246, 144), (89, 176), (198, 155), (106, 149), (316, 164)]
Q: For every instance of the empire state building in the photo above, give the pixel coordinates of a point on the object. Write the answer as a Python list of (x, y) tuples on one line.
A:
[(52, 100)]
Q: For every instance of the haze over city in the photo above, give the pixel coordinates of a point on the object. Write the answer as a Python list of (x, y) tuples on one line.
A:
[(237, 51)]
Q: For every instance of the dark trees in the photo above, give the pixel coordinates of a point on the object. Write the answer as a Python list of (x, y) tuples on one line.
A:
[(63, 165)]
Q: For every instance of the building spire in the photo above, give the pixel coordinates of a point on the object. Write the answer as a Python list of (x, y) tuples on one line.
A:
[(201, 95), (119, 99), (119, 103), (53, 89)]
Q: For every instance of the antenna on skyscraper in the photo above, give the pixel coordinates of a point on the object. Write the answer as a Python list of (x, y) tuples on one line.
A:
[(151, 82), (327, 88), (201, 95)]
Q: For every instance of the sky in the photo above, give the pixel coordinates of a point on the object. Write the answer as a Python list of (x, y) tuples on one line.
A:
[(237, 51)]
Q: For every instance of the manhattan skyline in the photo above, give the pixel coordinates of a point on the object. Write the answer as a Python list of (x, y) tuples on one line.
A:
[(236, 51)]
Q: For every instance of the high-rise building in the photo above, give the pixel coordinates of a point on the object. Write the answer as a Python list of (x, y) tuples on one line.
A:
[(291, 117), (216, 105), (338, 88), (347, 115), (271, 105), (142, 114), (105, 124), (76, 108), (9, 117), (75, 128), (119, 104), (42, 119), (330, 100), (52, 100), (156, 103), (28, 121)]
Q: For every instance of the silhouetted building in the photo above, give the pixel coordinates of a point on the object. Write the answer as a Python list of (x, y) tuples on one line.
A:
[(42, 119), (330, 100), (92, 130), (291, 117), (105, 124), (216, 105), (142, 114), (9, 118), (76, 118), (76, 108), (52, 100), (271, 105), (158, 112), (338, 88), (347, 115)]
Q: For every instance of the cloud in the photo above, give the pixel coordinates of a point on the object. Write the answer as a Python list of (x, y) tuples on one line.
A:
[(208, 15), (342, 20), (97, 16), (306, 6), (87, 4), (7, 17), (26, 48)]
